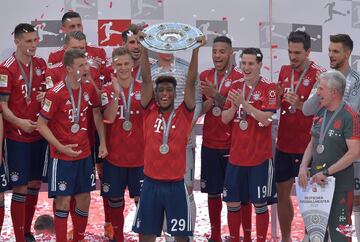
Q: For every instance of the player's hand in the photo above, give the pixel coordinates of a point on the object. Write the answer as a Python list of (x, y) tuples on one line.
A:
[(99, 61), (293, 99), (40, 96), (236, 98), (99, 170), (303, 176), (103, 152), (115, 85), (208, 89), (69, 151), (202, 40), (27, 125), (319, 178), (279, 89)]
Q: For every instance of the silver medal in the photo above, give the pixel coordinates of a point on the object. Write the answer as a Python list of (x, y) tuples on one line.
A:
[(320, 148), (164, 149), (243, 125), (216, 111), (75, 128), (127, 125), (292, 109)]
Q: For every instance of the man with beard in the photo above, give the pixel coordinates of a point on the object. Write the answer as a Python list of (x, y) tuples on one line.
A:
[(295, 84), (215, 84)]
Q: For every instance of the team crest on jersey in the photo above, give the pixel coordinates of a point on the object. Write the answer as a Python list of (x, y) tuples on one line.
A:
[(49, 83), (272, 93), (337, 124), (106, 187), (3, 80), (86, 97), (306, 82), (138, 96), (256, 95), (225, 192), (62, 186), (14, 176), (227, 83), (47, 105), (38, 72), (104, 98), (203, 184)]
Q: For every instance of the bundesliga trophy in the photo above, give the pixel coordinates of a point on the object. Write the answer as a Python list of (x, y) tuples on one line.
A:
[(170, 37)]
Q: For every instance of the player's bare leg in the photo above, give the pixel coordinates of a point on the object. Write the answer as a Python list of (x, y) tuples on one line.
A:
[(285, 208), (148, 238)]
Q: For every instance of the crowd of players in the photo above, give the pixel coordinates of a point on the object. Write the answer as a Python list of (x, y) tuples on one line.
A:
[(132, 119)]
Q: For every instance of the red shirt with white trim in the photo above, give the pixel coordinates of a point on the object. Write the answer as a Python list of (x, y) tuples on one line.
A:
[(126, 148), (252, 146), (56, 73), (95, 55), (171, 166), (13, 84), (216, 134), (294, 128), (57, 109)]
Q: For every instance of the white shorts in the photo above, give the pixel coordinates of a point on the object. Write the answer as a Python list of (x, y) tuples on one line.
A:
[(357, 178), (190, 167)]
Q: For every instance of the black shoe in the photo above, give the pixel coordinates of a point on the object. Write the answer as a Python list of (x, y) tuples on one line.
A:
[(30, 237)]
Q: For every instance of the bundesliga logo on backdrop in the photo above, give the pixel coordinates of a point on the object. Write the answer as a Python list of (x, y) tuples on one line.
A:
[(110, 31)]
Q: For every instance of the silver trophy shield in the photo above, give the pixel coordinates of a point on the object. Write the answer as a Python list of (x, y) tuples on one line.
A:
[(170, 37)]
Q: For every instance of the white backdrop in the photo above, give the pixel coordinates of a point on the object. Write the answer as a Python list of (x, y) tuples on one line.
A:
[(246, 21)]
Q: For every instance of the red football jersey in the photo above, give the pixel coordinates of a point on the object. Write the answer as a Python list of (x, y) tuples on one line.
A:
[(171, 166), (57, 73), (13, 84), (57, 109), (95, 54), (216, 134), (294, 128), (253, 146), (126, 148)]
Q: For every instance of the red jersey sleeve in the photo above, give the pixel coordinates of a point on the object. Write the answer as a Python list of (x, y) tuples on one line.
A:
[(106, 96), (5, 81), (49, 107), (94, 97)]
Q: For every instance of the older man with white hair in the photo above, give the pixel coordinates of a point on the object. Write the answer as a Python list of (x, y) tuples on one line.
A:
[(334, 146)]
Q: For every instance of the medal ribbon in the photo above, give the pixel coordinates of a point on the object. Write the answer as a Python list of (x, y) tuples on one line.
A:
[(218, 88), (127, 104), (28, 81), (300, 78), (167, 127), (138, 73), (324, 129), (76, 110), (243, 117)]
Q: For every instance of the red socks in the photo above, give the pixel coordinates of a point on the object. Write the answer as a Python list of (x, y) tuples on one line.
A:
[(2, 213), (215, 206), (18, 215), (106, 210), (117, 218), (80, 221), (234, 221), (30, 206), (60, 222), (246, 215), (262, 222)]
